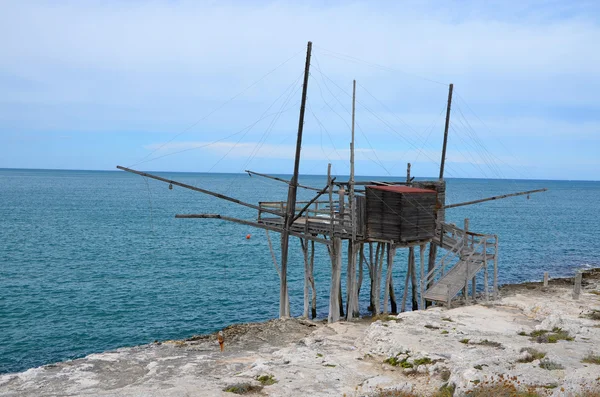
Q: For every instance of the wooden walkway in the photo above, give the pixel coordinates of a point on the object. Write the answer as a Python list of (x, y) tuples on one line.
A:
[(466, 255)]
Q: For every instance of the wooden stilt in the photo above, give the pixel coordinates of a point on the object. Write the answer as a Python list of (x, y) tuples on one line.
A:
[(496, 269), (422, 280), (312, 281), (431, 266), (304, 245), (413, 278), (373, 260), (393, 304), (336, 273), (485, 273), (405, 292), (361, 259), (391, 252)]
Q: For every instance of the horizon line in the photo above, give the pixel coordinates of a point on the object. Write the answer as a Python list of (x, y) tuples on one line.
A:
[(243, 173)]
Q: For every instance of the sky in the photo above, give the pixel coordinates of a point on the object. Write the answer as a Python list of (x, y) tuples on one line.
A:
[(215, 86)]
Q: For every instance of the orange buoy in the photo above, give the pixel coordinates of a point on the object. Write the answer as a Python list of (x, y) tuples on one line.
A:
[(248, 236)]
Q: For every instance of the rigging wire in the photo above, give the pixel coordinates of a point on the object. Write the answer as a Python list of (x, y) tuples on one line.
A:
[(218, 108), (277, 114), (350, 58)]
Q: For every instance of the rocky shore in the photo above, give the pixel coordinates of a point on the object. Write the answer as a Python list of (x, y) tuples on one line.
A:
[(534, 338)]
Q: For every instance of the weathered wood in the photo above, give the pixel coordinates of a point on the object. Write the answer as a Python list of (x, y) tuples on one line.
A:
[(494, 198), (496, 268), (253, 224), (485, 273), (391, 253), (280, 180), (336, 273), (304, 246), (393, 304), (431, 266), (291, 199), (577, 285), (200, 190), (545, 279), (413, 276), (312, 281), (361, 259), (405, 292), (443, 162), (422, 280)]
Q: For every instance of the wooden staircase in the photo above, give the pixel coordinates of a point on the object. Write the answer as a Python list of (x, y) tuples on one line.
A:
[(467, 254)]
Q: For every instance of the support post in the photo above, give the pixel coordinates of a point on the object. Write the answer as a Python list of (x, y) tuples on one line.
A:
[(304, 245), (485, 272), (496, 268), (284, 311), (443, 162), (351, 288), (391, 253), (413, 278), (422, 260), (336, 273), (545, 279)]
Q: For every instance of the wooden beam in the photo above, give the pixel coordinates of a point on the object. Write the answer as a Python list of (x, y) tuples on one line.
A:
[(252, 224), (249, 172), (197, 189), (494, 198)]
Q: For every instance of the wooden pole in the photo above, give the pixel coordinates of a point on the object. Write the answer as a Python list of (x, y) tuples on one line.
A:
[(405, 292), (443, 162), (496, 269), (545, 279), (312, 280), (422, 260), (351, 289), (291, 201), (334, 291), (413, 278), (494, 198), (391, 253), (249, 172), (431, 266), (304, 246), (200, 190)]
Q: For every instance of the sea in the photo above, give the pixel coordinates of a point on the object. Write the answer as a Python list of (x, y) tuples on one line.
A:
[(96, 260)]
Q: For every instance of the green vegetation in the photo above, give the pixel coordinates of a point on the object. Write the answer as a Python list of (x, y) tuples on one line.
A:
[(429, 326), (545, 336), (447, 319), (242, 388), (266, 380), (490, 343), (445, 332), (465, 341)]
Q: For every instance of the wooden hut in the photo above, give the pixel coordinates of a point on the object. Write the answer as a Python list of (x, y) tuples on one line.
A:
[(400, 213)]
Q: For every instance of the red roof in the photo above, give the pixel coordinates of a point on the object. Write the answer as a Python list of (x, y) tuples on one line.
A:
[(401, 189)]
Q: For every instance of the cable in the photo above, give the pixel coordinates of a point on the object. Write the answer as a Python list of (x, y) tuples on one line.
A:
[(218, 108)]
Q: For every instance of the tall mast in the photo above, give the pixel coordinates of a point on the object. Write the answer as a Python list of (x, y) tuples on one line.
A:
[(351, 182), (284, 308), (446, 132)]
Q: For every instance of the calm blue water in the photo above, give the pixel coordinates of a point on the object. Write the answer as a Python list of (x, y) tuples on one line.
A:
[(91, 261)]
